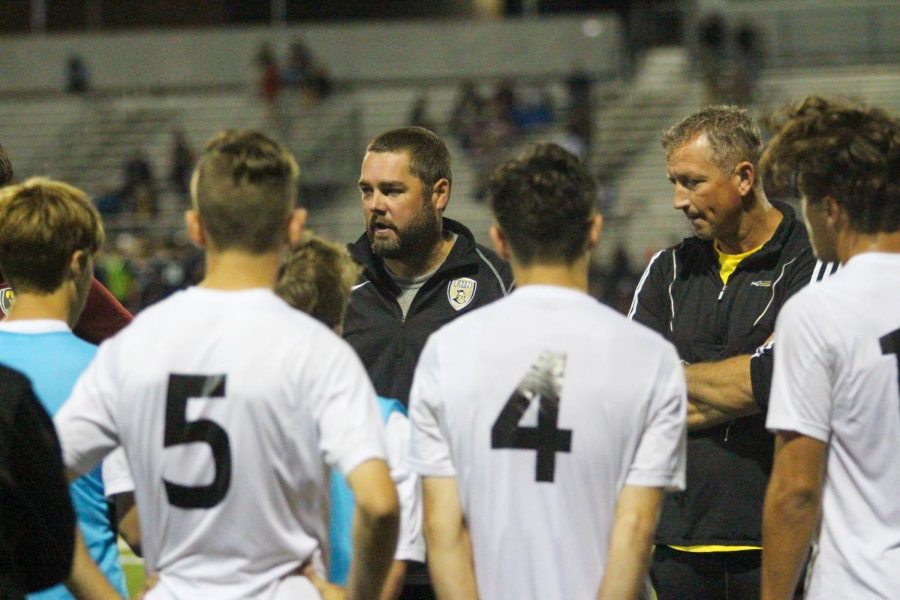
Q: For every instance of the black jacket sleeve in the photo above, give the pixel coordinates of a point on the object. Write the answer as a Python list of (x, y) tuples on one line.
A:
[(762, 361), (650, 305), (39, 519)]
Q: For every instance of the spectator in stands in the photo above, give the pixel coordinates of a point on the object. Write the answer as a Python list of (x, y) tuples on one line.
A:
[(747, 64), (307, 74), (578, 88), (269, 78), (77, 76), (468, 117), (498, 134), (181, 164), (535, 111), (711, 37), (502, 121), (418, 114), (579, 110), (138, 193)]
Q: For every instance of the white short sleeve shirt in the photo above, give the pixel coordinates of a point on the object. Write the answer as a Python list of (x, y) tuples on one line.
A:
[(836, 380), (543, 405)]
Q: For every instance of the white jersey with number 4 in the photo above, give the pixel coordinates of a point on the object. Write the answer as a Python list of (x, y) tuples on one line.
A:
[(228, 406), (543, 405), (836, 380)]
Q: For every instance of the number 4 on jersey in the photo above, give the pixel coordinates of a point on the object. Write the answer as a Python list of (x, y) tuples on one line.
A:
[(542, 384)]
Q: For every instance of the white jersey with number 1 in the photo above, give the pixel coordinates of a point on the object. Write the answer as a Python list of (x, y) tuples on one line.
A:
[(228, 406), (837, 380), (543, 405)]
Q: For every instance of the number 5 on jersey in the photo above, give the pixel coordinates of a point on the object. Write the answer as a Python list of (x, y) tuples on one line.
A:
[(181, 431), (543, 385)]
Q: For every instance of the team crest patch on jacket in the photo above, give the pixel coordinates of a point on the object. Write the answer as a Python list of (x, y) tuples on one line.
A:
[(461, 292), (6, 299)]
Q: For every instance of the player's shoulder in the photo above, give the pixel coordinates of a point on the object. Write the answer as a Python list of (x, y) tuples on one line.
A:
[(811, 303)]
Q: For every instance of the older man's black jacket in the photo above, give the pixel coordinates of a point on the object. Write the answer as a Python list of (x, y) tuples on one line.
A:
[(681, 296)]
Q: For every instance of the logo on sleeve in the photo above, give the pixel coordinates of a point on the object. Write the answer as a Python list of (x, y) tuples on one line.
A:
[(461, 292), (6, 299)]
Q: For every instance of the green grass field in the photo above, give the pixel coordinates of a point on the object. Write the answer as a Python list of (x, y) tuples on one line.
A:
[(133, 567)]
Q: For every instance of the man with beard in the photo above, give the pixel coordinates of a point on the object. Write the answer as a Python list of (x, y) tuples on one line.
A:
[(420, 269)]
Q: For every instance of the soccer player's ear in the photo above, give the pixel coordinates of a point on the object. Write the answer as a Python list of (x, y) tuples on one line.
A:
[(834, 212), (78, 263), (195, 228), (501, 245), (296, 225), (594, 232)]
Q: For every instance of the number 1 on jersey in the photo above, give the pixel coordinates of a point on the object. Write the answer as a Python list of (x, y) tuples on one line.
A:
[(890, 344), (543, 385)]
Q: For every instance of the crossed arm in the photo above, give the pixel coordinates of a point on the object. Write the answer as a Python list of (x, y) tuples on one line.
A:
[(719, 392)]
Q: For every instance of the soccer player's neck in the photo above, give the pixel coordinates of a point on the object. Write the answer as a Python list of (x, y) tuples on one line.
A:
[(574, 275), (235, 270), (851, 243), (56, 306)]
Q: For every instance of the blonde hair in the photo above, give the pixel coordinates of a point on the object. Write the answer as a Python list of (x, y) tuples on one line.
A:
[(42, 223), (317, 277), (246, 186)]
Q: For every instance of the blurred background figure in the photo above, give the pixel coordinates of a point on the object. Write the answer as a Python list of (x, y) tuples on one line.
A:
[(77, 76)]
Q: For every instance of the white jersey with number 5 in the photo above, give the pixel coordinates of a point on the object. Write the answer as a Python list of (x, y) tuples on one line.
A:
[(228, 406), (543, 405), (836, 380)]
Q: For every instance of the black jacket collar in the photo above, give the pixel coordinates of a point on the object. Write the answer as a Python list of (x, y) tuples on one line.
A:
[(462, 256)]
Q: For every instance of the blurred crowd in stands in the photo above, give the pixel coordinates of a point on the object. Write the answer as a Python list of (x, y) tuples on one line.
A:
[(730, 58), (488, 120), (301, 72), (143, 269)]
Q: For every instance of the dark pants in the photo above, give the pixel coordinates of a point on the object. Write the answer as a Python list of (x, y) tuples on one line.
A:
[(678, 575), (418, 583)]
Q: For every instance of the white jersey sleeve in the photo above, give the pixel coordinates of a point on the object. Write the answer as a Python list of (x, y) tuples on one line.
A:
[(801, 384), (411, 543), (85, 425), (116, 474), (429, 453), (661, 454), (348, 416)]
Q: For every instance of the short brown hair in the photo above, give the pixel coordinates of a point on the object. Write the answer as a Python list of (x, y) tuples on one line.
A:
[(841, 149), (429, 159), (544, 202), (317, 277), (246, 186), (42, 223), (732, 135)]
